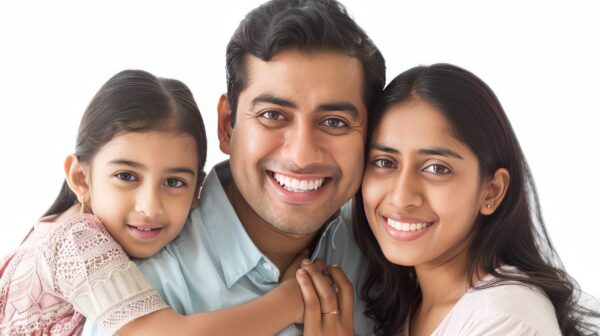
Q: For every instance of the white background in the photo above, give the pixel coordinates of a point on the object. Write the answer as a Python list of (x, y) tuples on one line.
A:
[(540, 58)]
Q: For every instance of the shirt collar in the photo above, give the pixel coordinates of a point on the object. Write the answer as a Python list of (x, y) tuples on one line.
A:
[(236, 252)]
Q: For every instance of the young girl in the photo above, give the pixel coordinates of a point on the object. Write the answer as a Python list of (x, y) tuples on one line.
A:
[(135, 174), (449, 218)]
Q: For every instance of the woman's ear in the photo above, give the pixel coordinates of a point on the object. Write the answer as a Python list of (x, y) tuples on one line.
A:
[(76, 177), (494, 191)]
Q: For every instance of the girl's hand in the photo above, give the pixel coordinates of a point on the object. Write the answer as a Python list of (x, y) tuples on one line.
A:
[(328, 300), (289, 285)]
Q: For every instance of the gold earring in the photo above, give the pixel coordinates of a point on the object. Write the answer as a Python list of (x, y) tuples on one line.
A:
[(83, 208)]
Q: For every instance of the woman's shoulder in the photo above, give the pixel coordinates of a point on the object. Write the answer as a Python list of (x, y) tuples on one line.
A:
[(499, 308)]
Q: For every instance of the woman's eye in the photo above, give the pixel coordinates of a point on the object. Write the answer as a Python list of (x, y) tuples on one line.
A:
[(334, 123), (383, 163), (273, 115), (126, 176), (437, 169), (174, 183)]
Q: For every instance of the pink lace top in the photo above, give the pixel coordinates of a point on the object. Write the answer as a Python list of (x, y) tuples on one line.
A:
[(66, 272)]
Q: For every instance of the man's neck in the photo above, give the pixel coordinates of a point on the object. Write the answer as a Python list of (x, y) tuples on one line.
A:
[(280, 247)]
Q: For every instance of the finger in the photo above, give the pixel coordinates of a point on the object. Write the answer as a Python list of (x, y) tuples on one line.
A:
[(312, 306), (318, 263), (323, 286), (345, 293)]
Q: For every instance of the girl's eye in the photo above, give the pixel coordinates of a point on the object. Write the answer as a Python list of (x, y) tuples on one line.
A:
[(174, 183), (384, 163), (126, 176), (273, 115), (437, 169), (334, 123)]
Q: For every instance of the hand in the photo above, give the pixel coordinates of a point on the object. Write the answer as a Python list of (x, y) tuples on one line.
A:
[(291, 288), (328, 300)]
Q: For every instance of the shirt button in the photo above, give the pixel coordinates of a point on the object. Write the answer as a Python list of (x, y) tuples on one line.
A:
[(267, 266)]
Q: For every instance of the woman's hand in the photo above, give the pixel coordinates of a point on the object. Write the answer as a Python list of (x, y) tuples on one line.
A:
[(328, 299)]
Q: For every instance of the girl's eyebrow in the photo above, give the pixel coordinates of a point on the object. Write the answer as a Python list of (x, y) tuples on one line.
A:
[(173, 170)]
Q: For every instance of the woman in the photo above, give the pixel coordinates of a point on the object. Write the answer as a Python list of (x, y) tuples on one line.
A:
[(449, 218)]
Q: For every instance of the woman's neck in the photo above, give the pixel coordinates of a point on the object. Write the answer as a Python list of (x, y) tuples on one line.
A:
[(442, 284)]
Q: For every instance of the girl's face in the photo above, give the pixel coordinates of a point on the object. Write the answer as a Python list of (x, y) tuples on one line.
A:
[(421, 188), (142, 186)]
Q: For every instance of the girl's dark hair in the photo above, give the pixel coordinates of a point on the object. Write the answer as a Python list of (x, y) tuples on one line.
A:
[(134, 101), (513, 235)]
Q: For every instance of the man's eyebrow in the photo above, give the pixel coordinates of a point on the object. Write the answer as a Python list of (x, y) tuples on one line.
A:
[(440, 151), (347, 107), (173, 170), (383, 148), (271, 99)]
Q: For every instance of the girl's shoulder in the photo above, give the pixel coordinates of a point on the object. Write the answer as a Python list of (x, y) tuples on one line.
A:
[(501, 308)]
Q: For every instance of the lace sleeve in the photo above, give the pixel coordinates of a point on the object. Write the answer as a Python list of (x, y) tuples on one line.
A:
[(88, 267)]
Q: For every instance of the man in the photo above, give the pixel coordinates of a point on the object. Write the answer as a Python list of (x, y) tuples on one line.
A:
[(300, 76)]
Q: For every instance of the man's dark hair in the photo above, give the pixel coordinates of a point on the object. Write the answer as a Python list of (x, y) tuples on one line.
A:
[(305, 25)]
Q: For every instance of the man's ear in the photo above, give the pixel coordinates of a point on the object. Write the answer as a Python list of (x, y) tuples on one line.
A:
[(76, 177), (225, 124), (494, 191)]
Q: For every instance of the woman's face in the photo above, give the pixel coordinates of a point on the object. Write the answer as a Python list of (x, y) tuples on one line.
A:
[(421, 190)]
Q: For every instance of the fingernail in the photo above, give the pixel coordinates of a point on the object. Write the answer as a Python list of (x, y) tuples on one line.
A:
[(301, 271), (306, 261)]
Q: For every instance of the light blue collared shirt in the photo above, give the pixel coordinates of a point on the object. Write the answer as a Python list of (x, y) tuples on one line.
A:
[(214, 264)]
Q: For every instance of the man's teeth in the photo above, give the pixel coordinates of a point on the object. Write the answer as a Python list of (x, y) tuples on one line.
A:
[(291, 184), (407, 226)]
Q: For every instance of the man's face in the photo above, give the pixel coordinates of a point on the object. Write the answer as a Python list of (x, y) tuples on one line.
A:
[(297, 145)]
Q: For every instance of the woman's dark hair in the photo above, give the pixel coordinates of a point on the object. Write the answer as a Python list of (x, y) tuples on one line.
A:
[(513, 235), (134, 101), (304, 25)]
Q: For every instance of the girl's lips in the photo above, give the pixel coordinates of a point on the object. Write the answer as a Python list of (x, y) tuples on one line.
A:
[(144, 233)]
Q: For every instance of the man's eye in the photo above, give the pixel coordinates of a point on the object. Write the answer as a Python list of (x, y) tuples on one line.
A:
[(383, 163), (334, 123), (174, 183), (437, 169), (126, 176), (273, 115)]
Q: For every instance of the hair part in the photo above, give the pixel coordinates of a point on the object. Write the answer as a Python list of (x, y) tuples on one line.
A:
[(304, 25), (134, 101), (513, 235)]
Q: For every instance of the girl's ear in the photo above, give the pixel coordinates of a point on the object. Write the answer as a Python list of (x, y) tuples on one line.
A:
[(494, 191), (76, 177)]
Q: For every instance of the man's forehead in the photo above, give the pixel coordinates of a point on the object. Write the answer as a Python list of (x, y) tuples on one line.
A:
[(299, 78)]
